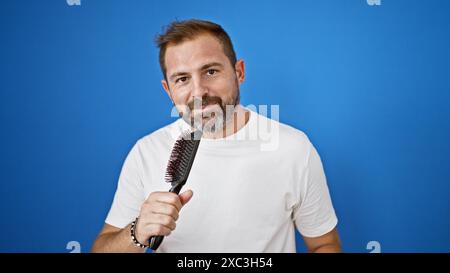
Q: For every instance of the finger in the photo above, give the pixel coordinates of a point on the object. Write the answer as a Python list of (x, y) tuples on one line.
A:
[(154, 196), (165, 209), (156, 230), (161, 219), (185, 197), (170, 198)]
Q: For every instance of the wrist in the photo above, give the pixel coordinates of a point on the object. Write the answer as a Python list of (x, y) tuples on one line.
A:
[(136, 239)]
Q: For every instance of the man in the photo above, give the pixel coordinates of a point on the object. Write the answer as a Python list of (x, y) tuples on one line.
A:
[(247, 199)]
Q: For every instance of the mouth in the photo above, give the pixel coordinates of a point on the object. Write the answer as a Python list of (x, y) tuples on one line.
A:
[(208, 106), (204, 112)]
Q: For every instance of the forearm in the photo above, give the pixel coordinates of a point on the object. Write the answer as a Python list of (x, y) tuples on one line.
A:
[(119, 241), (328, 248)]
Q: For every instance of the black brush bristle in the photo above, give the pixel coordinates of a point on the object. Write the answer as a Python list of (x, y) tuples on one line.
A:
[(182, 157)]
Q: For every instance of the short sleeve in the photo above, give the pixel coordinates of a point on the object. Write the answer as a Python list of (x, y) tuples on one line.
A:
[(129, 195), (315, 215)]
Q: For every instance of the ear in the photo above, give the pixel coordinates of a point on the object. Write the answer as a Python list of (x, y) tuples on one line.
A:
[(165, 85), (239, 67)]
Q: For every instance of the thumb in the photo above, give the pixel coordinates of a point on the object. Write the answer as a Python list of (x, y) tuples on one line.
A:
[(185, 197)]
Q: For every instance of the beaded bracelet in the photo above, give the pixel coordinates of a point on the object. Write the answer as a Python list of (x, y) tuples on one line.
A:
[(133, 235)]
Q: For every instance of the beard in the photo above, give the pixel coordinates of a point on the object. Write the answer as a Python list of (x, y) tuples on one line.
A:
[(210, 114)]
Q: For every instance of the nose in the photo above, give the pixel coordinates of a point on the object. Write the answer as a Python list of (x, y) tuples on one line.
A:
[(199, 88)]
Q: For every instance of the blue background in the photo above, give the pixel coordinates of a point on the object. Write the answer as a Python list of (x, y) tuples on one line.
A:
[(369, 85)]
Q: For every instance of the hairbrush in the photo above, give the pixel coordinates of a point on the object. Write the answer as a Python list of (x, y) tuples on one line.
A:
[(178, 168)]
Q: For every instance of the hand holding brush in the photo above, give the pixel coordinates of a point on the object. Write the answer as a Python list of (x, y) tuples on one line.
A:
[(177, 173)]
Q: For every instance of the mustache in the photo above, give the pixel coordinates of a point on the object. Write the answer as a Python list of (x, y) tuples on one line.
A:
[(204, 101)]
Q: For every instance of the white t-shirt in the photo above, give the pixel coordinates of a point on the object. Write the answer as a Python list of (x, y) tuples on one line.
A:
[(251, 189)]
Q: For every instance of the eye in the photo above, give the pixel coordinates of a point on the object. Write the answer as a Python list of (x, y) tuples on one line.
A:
[(181, 79), (211, 72)]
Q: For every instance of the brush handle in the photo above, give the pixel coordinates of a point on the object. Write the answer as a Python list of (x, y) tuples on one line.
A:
[(155, 241)]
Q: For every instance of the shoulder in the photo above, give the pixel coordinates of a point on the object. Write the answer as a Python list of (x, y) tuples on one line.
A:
[(283, 131), (284, 138)]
